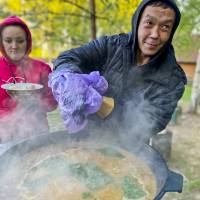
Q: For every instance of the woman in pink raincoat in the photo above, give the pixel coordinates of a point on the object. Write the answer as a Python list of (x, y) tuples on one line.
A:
[(16, 66)]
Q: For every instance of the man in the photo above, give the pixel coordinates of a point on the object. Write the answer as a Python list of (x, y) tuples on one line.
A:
[(141, 70)]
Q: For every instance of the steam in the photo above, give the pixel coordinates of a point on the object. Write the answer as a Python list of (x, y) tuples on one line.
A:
[(129, 125), (132, 128), (137, 124), (27, 119), (11, 175)]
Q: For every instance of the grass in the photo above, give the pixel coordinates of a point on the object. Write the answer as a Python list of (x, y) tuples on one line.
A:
[(187, 94), (55, 121), (192, 185)]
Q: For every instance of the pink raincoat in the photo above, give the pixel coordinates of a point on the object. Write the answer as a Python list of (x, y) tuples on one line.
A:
[(14, 121)]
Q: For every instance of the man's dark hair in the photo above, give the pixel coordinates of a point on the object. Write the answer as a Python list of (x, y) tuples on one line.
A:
[(162, 4)]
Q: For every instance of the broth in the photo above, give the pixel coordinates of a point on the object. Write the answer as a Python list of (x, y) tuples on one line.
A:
[(85, 172)]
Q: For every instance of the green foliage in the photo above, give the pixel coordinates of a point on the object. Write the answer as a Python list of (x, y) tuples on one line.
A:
[(185, 40), (193, 185), (117, 14), (187, 93), (57, 25)]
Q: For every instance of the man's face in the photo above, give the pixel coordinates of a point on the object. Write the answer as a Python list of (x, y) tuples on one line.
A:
[(14, 42), (154, 29)]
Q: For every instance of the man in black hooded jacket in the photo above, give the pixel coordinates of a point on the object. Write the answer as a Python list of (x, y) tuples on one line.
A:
[(140, 67)]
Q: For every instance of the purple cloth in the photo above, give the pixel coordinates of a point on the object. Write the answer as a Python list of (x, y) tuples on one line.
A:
[(78, 95)]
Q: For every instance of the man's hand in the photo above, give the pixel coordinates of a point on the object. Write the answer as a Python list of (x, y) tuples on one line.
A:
[(78, 96)]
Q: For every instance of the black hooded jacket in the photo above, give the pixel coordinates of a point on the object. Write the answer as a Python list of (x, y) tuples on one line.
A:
[(146, 96)]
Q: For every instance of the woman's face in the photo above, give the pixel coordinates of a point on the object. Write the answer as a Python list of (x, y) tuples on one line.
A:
[(14, 42)]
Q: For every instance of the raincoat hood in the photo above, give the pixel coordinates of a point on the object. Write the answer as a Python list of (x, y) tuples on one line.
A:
[(136, 18), (14, 20)]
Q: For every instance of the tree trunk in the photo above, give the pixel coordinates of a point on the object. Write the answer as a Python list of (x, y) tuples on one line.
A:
[(93, 19), (195, 88)]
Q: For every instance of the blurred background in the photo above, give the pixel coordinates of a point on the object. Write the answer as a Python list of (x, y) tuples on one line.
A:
[(58, 25)]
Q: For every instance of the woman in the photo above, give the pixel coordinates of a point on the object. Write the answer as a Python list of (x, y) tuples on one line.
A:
[(16, 66)]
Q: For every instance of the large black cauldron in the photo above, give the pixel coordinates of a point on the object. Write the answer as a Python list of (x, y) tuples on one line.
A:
[(167, 180)]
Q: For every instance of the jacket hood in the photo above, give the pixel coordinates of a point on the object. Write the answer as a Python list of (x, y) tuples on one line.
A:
[(136, 19), (14, 20)]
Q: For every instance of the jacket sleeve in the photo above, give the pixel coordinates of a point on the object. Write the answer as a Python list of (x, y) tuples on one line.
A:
[(48, 101), (163, 102), (89, 57)]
